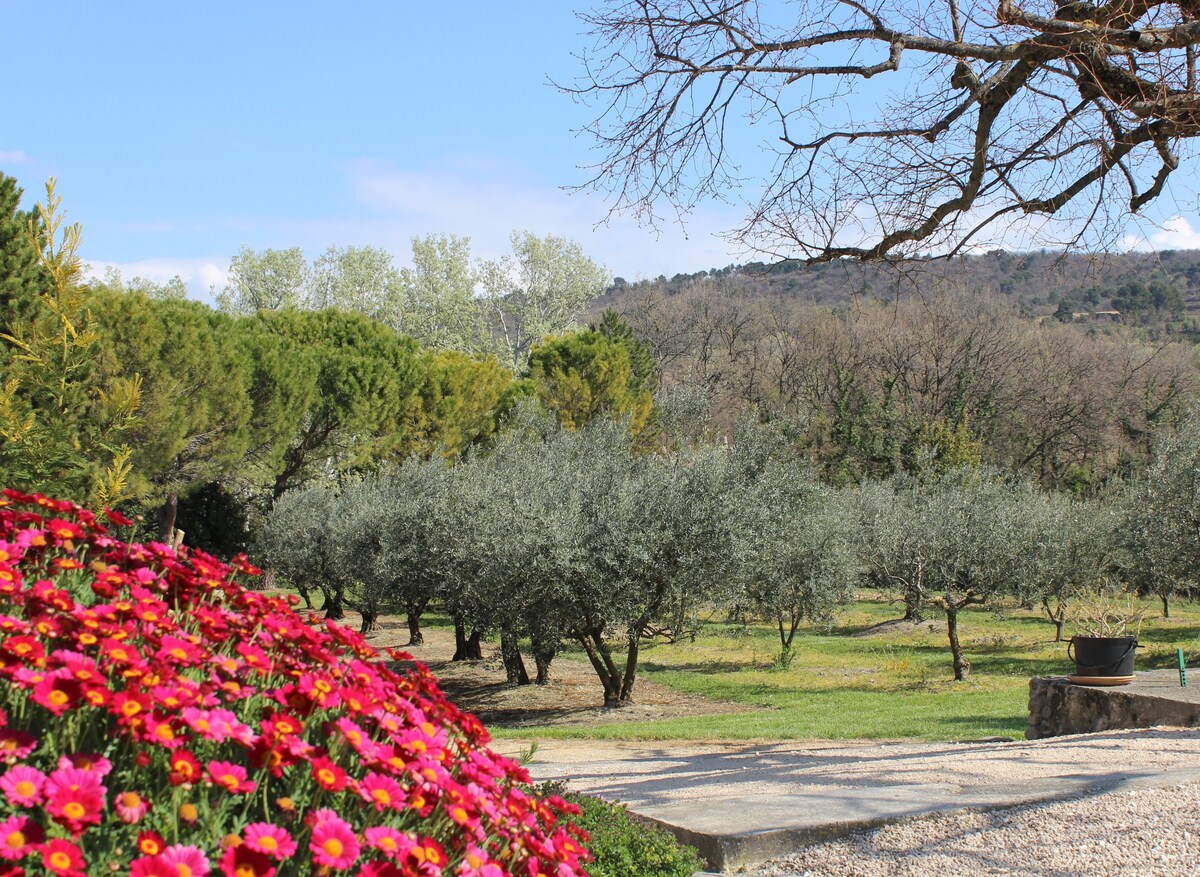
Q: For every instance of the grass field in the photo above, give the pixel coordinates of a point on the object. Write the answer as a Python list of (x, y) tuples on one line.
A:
[(853, 682)]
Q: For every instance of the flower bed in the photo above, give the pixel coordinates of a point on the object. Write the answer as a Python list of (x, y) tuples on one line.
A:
[(159, 720)]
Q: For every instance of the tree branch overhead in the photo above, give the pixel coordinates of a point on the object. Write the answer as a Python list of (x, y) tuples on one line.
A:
[(895, 128)]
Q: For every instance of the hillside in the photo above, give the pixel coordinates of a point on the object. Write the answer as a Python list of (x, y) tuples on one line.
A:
[(1153, 289)]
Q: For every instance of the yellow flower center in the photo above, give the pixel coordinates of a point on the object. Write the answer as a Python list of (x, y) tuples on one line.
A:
[(25, 788), (326, 776), (60, 861), (15, 840), (381, 795), (268, 843), (73, 810), (333, 847), (58, 697), (131, 800)]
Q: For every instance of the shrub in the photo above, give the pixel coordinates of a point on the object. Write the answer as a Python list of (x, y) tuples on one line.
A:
[(621, 846), (159, 720)]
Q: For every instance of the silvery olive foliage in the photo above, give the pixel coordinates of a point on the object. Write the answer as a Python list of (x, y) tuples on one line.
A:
[(795, 555), (1161, 517), (963, 538)]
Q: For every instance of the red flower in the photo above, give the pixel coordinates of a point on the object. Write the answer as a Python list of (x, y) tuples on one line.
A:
[(63, 858), (185, 768), (328, 775), (230, 777), (58, 692), (150, 843), (241, 861)]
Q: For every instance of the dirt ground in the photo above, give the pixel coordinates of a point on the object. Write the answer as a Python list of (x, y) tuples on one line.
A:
[(573, 696)]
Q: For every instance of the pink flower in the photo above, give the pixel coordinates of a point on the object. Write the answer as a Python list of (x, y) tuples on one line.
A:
[(131, 807), (388, 841), (333, 842), (231, 777), (97, 764), (188, 861), (22, 785), (152, 866), (74, 798), (15, 745), (18, 836), (382, 791), (263, 837)]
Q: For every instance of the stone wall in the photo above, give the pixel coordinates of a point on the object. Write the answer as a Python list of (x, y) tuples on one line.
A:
[(1057, 706)]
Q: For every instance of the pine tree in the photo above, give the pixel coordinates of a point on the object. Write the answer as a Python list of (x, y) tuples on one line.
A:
[(21, 276)]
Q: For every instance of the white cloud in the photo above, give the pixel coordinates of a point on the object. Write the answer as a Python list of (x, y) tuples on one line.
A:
[(198, 274), (14, 156), (486, 203), (1175, 233)]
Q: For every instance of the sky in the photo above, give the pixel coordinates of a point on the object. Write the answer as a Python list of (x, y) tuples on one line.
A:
[(181, 132)]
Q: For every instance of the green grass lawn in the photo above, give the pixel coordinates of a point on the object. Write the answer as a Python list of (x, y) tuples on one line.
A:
[(851, 683)]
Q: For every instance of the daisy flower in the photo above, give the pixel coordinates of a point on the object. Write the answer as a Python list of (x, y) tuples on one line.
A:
[(22, 785), (263, 837)]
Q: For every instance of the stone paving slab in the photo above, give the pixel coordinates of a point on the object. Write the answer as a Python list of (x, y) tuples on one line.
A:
[(744, 803)]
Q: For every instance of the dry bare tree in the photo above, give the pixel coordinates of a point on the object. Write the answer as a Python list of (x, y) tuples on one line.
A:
[(899, 127)]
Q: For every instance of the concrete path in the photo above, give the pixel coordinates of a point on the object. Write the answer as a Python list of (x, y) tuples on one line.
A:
[(744, 803)]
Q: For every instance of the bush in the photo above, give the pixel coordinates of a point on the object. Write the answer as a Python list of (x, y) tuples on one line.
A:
[(621, 846), (159, 720)]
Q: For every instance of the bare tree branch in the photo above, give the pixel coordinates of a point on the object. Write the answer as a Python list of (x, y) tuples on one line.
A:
[(1071, 110)]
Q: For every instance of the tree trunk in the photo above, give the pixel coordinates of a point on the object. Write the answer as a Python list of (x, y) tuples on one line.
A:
[(466, 648), (961, 665), (514, 665), (1166, 603), (602, 663), (370, 619), (305, 594), (334, 599), (166, 518), (1058, 617), (631, 661), (544, 649), (415, 637), (913, 605)]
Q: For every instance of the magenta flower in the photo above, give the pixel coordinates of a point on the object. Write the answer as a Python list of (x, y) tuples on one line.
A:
[(18, 836), (382, 791), (263, 837), (22, 785), (333, 842), (186, 860)]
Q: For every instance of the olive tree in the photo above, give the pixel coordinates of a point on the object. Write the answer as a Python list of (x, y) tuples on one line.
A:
[(796, 555), (1075, 551), (295, 540), (1161, 517), (963, 539)]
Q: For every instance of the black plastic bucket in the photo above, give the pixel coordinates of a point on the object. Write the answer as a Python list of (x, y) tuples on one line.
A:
[(1102, 655)]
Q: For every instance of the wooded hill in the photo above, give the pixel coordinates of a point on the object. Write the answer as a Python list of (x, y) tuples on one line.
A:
[(1160, 290)]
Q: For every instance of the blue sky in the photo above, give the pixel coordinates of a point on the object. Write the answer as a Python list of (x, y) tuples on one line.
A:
[(180, 132)]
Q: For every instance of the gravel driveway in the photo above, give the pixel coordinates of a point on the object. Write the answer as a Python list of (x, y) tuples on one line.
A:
[(1140, 833)]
